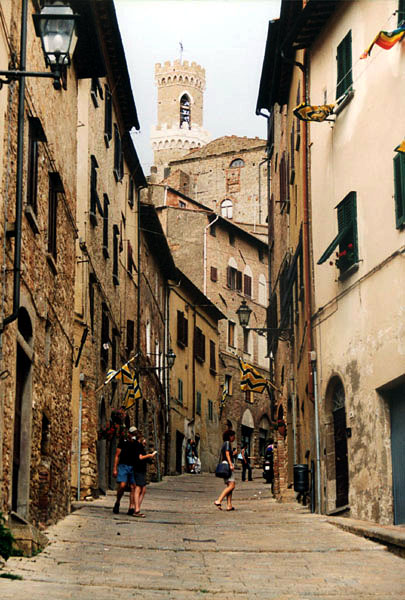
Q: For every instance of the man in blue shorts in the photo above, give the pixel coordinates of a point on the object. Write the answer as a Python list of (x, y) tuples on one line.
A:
[(124, 471)]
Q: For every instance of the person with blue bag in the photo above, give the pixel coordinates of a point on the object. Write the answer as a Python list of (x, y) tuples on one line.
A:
[(227, 456)]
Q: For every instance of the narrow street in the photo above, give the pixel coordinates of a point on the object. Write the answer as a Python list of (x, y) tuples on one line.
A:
[(186, 548)]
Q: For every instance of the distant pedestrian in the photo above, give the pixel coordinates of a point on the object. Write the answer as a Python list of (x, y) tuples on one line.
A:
[(189, 457), (142, 457), (246, 462), (123, 470), (227, 454)]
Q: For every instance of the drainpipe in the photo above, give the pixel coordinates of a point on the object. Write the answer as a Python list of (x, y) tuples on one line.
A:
[(269, 217), (19, 181), (79, 441), (260, 189), (167, 385), (138, 302), (317, 440), (193, 370), (306, 237), (205, 252)]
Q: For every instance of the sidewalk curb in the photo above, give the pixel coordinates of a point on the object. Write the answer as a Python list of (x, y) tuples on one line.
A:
[(389, 536)]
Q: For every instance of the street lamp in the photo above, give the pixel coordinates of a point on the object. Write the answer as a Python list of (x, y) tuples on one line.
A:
[(244, 312), (56, 26), (171, 357)]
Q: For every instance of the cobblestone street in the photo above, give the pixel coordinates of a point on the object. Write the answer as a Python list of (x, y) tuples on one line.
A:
[(186, 548)]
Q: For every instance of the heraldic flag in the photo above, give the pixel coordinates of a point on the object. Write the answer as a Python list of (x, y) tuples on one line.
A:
[(386, 40), (123, 374), (133, 393), (223, 396), (401, 147), (307, 112), (250, 378)]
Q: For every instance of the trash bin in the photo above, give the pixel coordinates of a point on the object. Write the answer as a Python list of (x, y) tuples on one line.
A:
[(301, 478)]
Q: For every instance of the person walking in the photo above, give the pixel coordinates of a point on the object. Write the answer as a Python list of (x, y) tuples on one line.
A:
[(140, 467), (123, 470), (189, 456), (227, 454), (246, 462)]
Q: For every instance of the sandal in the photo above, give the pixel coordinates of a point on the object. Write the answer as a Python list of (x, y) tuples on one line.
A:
[(218, 505), (139, 514), (229, 509)]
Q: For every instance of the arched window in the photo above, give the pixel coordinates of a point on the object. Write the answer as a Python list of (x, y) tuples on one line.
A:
[(238, 162), (185, 116), (226, 208)]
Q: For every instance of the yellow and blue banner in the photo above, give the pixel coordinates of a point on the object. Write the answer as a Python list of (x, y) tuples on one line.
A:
[(250, 378), (308, 112)]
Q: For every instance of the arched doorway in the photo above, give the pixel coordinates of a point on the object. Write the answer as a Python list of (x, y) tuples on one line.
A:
[(340, 437), (247, 428), (264, 434)]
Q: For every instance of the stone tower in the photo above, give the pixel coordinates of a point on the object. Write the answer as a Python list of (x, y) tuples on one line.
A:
[(180, 112)]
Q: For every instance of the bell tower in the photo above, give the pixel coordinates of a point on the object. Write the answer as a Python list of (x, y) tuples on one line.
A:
[(180, 112)]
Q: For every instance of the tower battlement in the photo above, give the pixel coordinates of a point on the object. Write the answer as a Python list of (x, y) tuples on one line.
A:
[(180, 73)]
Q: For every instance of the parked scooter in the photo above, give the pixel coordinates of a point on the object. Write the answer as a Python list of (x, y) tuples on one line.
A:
[(268, 465)]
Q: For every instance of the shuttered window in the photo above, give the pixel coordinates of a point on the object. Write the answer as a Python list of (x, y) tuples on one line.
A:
[(182, 329), (401, 11), (199, 345), (180, 391), (346, 238), (214, 274), (198, 404), (247, 285), (344, 66), (234, 279), (212, 357), (399, 181), (116, 236)]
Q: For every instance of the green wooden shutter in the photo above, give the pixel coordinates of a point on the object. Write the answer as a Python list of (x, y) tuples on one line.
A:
[(401, 11), (399, 186), (347, 230), (344, 66)]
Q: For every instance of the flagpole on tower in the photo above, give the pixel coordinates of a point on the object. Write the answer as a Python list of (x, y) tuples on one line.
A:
[(181, 52)]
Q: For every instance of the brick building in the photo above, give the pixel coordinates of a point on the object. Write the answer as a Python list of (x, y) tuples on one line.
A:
[(227, 264)]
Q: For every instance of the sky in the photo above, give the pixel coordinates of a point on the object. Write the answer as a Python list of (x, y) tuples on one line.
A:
[(226, 37)]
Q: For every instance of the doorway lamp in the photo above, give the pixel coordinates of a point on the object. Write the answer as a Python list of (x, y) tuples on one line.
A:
[(244, 311), (55, 25)]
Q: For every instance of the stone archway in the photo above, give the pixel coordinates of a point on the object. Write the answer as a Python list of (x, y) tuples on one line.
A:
[(247, 429)]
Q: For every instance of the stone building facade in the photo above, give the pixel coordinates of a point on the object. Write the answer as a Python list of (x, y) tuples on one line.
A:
[(108, 177), (37, 348), (356, 244), (194, 379), (290, 306), (229, 176)]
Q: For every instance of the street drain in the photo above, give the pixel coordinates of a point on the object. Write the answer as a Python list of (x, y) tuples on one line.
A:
[(200, 541)]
